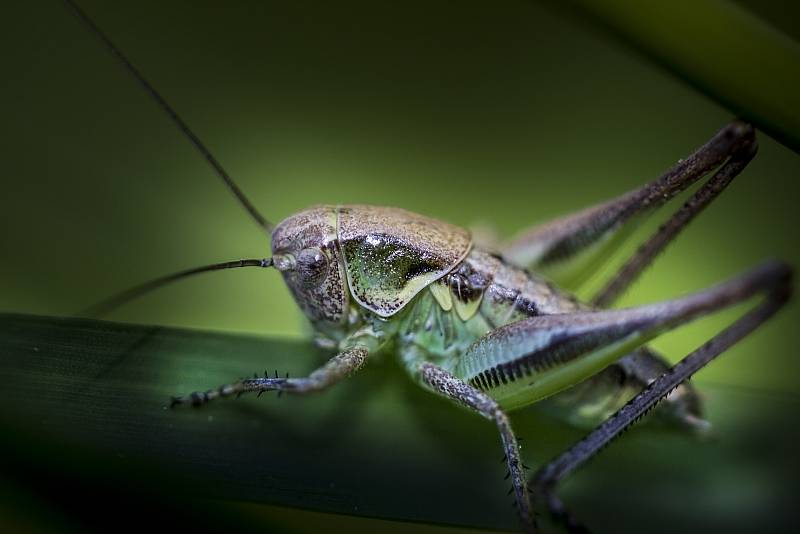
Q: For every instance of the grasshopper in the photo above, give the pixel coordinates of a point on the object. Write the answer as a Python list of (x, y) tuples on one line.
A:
[(488, 325)]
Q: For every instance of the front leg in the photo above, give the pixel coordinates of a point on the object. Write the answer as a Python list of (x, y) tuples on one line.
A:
[(337, 368), (448, 385)]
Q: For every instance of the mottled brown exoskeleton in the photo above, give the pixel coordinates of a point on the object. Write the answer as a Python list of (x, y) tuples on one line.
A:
[(488, 326)]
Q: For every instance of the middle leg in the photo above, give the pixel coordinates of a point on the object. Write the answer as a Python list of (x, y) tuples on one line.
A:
[(449, 386)]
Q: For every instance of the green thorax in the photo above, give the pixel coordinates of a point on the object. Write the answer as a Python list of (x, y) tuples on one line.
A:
[(480, 294)]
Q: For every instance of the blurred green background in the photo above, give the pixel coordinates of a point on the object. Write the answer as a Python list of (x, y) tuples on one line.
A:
[(502, 114)]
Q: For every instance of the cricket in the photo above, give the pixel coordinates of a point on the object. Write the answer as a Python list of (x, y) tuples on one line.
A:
[(496, 326)]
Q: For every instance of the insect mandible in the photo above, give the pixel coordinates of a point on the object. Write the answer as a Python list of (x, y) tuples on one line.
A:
[(473, 323)]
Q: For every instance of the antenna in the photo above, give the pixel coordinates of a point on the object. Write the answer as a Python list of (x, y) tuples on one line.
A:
[(179, 122), (115, 301)]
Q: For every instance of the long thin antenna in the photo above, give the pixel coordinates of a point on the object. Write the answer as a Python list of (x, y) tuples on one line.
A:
[(110, 304), (243, 200)]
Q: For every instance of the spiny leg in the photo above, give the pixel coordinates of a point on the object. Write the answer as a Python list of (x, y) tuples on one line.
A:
[(448, 385), (336, 369), (595, 399), (668, 231), (777, 285), (523, 362), (567, 248)]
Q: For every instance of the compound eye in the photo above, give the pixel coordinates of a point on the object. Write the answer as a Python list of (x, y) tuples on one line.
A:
[(312, 266)]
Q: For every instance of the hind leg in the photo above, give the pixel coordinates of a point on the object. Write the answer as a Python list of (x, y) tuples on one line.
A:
[(568, 249), (546, 479)]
